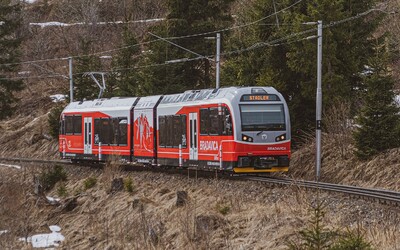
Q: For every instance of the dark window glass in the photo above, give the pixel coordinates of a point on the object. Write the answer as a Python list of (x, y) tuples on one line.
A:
[(204, 121), (170, 129), (262, 117), (69, 125), (97, 129), (215, 125), (105, 132), (77, 120), (162, 131), (62, 127), (123, 131), (183, 129), (227, 128)]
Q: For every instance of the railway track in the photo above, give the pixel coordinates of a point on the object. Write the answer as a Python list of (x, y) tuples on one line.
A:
[(386, 196), (382, 195)]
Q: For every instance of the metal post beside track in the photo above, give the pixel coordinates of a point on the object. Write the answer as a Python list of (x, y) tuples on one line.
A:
[(100, 156)]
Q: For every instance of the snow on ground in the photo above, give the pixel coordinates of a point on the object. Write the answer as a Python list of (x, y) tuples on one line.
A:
[(10, 166), (52, 200), (46, 240), (3, 232), (60, 24), (397, 98), (58, 97)]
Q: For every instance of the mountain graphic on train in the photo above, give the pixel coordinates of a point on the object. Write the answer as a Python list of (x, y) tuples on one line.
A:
[(236, 129)]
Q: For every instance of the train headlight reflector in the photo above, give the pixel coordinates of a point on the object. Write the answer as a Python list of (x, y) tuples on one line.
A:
[(247, 138), (280, 138)]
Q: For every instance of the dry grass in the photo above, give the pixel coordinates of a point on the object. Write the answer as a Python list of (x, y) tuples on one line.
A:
[(259, 217)]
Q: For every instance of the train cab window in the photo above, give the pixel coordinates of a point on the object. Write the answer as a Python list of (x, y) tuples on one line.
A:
[(268, 117), (73, 124)]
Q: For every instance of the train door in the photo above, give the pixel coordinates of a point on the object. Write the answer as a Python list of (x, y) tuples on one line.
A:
[(87, 135), (193, 151)]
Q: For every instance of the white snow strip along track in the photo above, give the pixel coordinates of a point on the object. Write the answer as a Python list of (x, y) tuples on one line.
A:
[(10, 166)]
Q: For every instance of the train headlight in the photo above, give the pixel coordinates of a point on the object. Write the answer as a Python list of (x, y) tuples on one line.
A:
[(281, 137), (247, 138)]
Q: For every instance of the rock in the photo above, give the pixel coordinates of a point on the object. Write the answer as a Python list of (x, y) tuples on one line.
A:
[(136, 203), (117, 185), (181, 198)]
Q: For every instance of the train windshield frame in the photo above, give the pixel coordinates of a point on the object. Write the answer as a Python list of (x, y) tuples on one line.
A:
[(262, 117)]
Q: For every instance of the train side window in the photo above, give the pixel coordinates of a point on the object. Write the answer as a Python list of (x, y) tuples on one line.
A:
[(162, 131), (69, 125), (105, 135), (62, 127), (176, 128), (77, 120), (183, 131), (214, 118), (97, 130), (123, 131), (170, 129), (226, 122), (204, 121)]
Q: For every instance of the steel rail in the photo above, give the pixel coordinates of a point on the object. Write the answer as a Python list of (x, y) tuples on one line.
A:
[(380, 194)]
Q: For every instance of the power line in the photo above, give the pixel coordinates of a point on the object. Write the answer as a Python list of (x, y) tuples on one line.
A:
[(275, 42), (155, 40)]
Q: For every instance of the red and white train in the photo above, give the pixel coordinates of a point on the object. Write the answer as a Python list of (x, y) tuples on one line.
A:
[(239, 129)]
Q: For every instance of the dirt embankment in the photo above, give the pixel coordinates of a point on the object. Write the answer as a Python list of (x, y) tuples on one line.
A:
[(218, 213)]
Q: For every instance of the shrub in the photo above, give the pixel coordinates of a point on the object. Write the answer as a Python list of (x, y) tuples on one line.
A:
[(223, 209), (62, 190), (318, 236), (128, 185), (50, 178), (53, 120), (89, 183)]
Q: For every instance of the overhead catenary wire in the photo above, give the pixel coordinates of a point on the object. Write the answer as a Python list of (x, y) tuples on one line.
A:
[(155, 40), (275, 42)]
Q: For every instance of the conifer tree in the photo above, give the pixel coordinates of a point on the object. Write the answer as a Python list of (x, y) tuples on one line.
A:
[(10, 21), (290, 64), (84, 86), (379, 117), (123, 80), (184, 18)]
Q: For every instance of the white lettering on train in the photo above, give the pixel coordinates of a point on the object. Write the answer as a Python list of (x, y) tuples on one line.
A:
[(276, 148), (208, 145)]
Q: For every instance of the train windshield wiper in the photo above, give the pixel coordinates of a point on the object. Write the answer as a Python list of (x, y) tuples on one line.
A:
[(260, 132)]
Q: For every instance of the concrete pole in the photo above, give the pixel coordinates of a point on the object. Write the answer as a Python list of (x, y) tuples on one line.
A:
[(319, 102), (71, 82), (217, 64)]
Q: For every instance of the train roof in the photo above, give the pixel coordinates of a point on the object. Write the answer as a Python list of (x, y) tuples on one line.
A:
[(114, 103), (215, 94)]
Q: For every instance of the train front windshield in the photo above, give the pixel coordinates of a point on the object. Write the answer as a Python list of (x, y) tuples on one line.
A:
[(265, 117)]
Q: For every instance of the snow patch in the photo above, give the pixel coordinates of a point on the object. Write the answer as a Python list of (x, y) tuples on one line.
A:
[(60, 24), (3, 232), (53, 201), (397, 99), (52, 239), (10, 166), (58, 97)]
